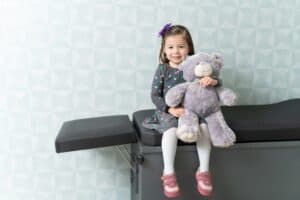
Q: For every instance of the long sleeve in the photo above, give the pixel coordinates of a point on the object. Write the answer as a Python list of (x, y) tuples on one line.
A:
[(216, 76), (220, 83), (157, 94)]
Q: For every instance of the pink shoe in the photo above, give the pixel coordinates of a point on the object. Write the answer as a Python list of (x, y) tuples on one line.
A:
[(204, 184), (171, 188)]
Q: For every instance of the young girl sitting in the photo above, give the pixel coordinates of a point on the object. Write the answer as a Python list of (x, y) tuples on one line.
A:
[(176, 44)]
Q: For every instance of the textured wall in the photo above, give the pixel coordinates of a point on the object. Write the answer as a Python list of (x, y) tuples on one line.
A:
[(69, 59)]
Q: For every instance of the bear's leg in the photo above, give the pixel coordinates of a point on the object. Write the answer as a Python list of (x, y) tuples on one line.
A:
[(188, 127), (220, 133)]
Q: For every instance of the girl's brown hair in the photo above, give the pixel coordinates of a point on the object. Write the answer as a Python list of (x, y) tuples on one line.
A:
[(175, 30)]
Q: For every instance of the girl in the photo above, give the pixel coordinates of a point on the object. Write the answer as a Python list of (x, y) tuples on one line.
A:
[(176, 44)]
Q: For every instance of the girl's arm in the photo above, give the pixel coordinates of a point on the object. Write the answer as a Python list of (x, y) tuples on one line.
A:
[(157, 90)]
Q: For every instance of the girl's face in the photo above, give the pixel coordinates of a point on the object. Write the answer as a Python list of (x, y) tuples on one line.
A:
[(176, 49)]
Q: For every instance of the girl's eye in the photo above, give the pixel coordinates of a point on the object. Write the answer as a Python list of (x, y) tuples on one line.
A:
[(181, 46), (170, 47)]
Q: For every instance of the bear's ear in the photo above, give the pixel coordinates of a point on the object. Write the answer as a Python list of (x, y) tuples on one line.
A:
[(217, 61), (194, 60), (189, 64), (187, 67)]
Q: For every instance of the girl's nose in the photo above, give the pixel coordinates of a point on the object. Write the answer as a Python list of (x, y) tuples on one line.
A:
[(176, 50)]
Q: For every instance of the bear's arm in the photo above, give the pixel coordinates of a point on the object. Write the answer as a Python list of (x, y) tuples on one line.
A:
[(175, 95), (227, 96)]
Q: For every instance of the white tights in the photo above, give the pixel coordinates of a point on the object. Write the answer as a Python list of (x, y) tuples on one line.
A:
[(169, 146)]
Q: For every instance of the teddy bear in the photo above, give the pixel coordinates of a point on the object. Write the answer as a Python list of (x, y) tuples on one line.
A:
[(202, 102)]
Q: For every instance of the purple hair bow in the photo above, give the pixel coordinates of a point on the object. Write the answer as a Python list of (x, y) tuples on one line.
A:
[(166, 28)]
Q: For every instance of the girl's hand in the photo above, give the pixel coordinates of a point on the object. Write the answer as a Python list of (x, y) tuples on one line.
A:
[(177, 112), (208, 81)]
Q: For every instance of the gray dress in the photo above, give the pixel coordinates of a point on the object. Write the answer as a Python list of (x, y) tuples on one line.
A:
[(165, 77)]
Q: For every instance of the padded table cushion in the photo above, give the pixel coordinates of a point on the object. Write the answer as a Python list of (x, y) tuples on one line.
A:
[(95, 132), (251, 123)]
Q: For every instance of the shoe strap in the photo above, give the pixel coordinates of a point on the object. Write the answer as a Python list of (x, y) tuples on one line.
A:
[(169, 180), (204, 176)]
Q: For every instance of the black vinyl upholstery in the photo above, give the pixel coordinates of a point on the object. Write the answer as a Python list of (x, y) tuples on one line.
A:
[(251, 123), (95, 132)]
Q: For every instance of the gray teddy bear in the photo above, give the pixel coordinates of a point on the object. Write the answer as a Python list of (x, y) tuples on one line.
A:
[(202, 102)]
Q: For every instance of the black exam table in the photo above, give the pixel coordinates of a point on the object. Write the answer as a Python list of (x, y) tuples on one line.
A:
[(264, 164)]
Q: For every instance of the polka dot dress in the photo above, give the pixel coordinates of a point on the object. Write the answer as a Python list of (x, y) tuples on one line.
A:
[(165, 78)]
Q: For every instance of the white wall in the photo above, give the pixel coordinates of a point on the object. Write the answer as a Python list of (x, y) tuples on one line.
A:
[(69, 59)]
